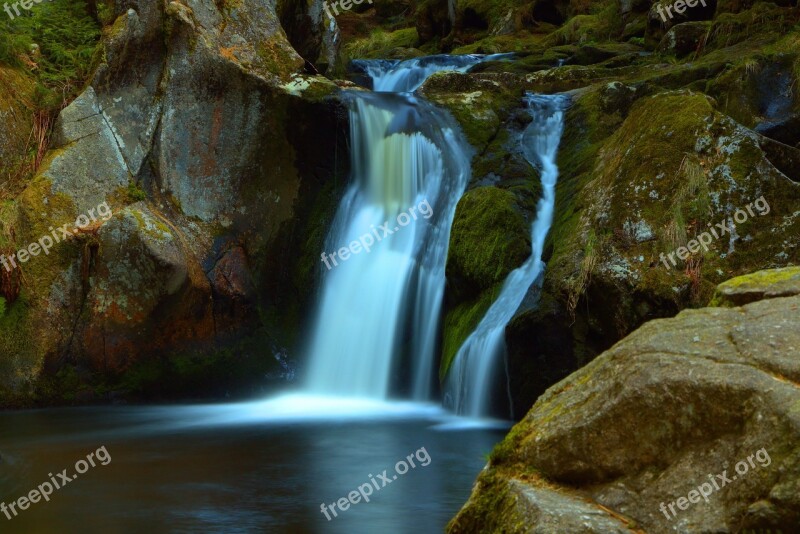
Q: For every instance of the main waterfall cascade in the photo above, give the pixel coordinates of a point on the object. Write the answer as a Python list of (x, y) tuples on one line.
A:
[(377, 306), (474, 375)]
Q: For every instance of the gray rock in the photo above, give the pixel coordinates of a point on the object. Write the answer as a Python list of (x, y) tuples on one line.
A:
[(92, 165), (647, 422)]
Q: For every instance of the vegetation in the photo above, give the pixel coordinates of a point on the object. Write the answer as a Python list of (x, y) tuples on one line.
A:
[(56, 43), (381, 43)]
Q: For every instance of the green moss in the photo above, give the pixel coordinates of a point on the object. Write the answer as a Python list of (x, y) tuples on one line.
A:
[(135, 193), (380, 43), (152, 226), (520, 42), (67, 37), (602, 25), (19, 347), (489, 239), (460, 322), (505, 451), (760, 281), (105, 11), (476, 102), (278, 58)]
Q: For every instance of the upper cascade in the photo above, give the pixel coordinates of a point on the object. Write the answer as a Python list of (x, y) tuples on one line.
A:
[(407, 76)]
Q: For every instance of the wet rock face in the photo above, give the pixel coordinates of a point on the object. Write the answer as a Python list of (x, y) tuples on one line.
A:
[(711, 391), (140, 268), (311, 32), (185, 131)]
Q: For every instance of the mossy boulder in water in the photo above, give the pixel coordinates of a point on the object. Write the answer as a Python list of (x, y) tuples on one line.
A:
[(711, 391)]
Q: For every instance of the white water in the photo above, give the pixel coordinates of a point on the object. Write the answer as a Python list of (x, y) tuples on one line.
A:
[(475, 369), (407, 76), (379, 312)]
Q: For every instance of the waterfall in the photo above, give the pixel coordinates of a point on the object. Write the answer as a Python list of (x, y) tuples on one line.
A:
[(475, 371), (381, 309)]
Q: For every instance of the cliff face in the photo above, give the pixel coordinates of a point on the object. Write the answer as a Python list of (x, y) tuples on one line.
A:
[(188, 135), (689, 423)]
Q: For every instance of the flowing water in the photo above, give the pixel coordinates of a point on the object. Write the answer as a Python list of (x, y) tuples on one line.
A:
[(472, 381), (268, 466), (375, 305), (397, 76)]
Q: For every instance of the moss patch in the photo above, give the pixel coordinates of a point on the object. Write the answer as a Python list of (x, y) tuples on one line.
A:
[(380, 43), (460, 322), (489, 238)]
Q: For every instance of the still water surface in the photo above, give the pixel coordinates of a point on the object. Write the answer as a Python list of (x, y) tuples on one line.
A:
[(240, 468)]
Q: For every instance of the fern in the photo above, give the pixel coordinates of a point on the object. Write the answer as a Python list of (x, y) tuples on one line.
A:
[(67, 37)]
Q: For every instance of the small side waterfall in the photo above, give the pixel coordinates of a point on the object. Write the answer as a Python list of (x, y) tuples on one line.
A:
[(475, 371)]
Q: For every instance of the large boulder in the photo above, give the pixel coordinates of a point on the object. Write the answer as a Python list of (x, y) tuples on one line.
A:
[(690, 424), (183, 133)]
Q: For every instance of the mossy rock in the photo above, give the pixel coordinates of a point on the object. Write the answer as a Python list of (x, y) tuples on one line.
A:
[(774, 283), (460, 322), (381, 44), (489, 239), (662, 386), (479, 102)]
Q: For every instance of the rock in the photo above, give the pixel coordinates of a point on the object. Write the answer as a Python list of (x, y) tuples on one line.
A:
[(593, 54), (141, 266), (737, 6), (616, 97), (685, 38), (784, 157), (594, 254), (183, 132), (94, 165), (489, 216), (312, 33), (762, 285), (646, 423)]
